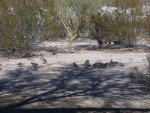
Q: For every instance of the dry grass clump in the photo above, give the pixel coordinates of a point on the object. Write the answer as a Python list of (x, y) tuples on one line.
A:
[(140, 77)]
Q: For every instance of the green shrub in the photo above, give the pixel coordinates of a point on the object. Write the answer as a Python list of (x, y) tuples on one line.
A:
[(122, 25), (146, 27), (26, 23)]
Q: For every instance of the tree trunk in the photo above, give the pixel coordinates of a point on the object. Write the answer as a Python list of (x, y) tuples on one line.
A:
[(100, 43), (71, 40)]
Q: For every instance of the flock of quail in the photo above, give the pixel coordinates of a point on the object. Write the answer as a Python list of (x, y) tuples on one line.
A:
[(87, 64), (99, 64)]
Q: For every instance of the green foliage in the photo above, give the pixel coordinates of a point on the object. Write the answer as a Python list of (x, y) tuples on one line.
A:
[(75, 14), (146, 26), (103, 26), (127, 4), (122, 24), (25, 23)]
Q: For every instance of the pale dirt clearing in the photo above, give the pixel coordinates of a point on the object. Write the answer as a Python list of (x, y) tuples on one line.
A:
[(57, 84)]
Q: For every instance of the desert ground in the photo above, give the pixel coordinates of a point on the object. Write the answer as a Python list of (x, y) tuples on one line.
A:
[(57, 83)]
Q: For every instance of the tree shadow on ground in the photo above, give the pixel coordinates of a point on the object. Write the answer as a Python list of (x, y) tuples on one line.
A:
[(64, 87), (109, 47), (64, 49), (84, 47)]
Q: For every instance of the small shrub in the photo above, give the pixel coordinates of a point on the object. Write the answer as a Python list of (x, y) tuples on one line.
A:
[(139, 77)]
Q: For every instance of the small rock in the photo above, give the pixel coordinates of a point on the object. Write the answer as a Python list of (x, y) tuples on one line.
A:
[(1, 69), (87, 63)]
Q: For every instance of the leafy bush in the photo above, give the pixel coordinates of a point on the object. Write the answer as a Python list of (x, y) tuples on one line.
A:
[(146, 26), (25, 23), (122, 25), (103, 28)]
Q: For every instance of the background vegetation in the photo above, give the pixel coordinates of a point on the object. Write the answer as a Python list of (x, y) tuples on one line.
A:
[(26, 23), (122, 25)]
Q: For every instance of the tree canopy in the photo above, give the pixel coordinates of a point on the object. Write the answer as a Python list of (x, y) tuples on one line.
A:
[(75, 14)]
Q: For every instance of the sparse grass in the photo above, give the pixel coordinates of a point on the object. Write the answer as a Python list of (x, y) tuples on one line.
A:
[(140, 77)]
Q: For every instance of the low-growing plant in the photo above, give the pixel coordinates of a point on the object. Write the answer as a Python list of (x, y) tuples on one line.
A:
[(139, 77)]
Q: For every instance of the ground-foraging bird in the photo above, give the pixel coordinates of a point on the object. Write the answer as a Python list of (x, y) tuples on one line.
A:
[(87, 63), (74, 65), (35, 66), (20, 64), (44, 61)]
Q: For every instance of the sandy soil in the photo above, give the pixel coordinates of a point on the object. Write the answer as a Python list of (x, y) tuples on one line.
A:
[(57, 84)]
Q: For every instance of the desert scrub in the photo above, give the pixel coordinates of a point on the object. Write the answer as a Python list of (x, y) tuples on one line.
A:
[(121, 25), (140, 77), (26, 23)]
